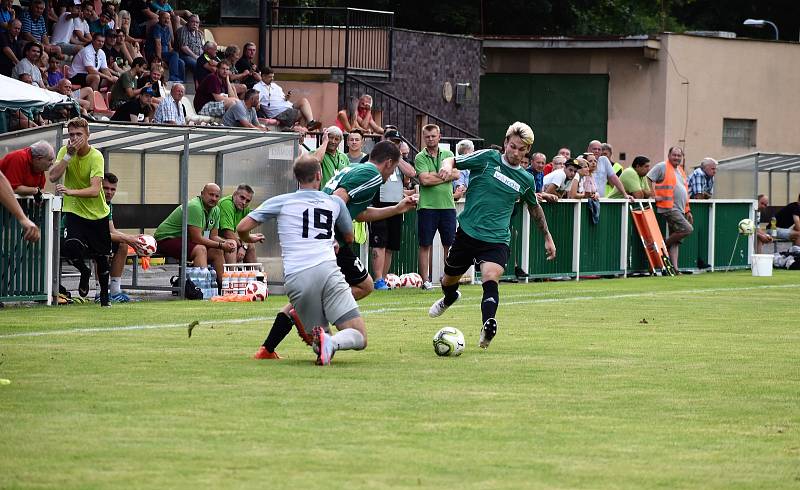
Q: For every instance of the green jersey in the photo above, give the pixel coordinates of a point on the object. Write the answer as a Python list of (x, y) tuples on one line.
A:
[(198, 216), (229, 216), (439, 196), (332, 165), (361, 181), (79, 174), (494, 187)]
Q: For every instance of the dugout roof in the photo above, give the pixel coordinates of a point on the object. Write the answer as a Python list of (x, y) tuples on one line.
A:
[(763, 162)]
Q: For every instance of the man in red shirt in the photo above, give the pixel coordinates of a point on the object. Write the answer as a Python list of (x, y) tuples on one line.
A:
[(25, 168)]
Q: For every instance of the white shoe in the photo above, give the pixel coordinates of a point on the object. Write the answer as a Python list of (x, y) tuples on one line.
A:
[(439, 307), (488, 331), (427, 286), (323, 346)]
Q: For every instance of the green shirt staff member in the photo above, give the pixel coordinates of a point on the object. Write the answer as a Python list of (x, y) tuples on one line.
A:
[(204, 245), (232, 210), (496, 182), (331, 159)]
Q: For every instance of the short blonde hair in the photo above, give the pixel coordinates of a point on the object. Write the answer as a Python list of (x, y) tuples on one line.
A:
[(522, 130)]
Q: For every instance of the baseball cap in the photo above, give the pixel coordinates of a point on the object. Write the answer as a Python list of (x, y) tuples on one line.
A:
[(147, 91), (574, 163), (392, 134)]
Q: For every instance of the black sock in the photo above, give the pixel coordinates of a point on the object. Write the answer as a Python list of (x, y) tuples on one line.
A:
[(80, 264), (280, 329), (103, 273), (450, 294), (491, 298)]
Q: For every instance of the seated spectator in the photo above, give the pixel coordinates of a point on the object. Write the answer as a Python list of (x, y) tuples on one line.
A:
[(788, 222), (119, 243), (54, 72), (159, 44), (84, 96), (558, 181), (232, 209), (206, 63), (216, 94), (10, 48), (232, 55), (246, 65), (156, 80), (125, 89), (139, 109), (30, 64), (204, 244), (276, 104), (355, 145), (242, 113), (762, 237), (120, 47), (142, 19), (634, 179), (102, 24), (189, 42), (7, 15), (701, 181), (331, 159), (132, 44), (25, 168), (177, 17), (170, 110), (89, 67), (81, 35), (64, 29), (114, 57), (360, 117), (34, 28)]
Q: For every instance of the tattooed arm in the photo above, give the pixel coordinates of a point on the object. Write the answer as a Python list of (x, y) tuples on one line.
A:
[(537, 216)]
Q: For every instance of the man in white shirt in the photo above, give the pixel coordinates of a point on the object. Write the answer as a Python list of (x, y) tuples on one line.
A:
[(64, 30), (89, 67), (276, 105), (559, 181), (29, 64), (605, 171)]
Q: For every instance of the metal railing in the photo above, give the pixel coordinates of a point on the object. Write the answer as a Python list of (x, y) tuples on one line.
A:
[(408, 118), (333, 38)]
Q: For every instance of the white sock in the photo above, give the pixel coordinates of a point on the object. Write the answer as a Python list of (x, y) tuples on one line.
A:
[(114, 285), (348, 339)]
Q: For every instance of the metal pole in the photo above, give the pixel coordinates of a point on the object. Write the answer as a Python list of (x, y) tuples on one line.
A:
[(774, 27), (184, 196), (264, 15), (755, 177), (219, 169), (56, 228), (346, 45)]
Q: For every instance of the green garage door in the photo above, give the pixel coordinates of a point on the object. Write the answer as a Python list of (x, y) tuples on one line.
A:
[(564, 110)]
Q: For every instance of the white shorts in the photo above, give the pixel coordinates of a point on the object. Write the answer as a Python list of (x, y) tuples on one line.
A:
[(320, 295)]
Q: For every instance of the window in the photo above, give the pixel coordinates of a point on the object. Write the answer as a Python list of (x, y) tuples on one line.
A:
[(739, 132)]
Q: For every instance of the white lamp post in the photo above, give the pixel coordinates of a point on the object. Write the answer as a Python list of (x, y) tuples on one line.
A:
[(761, 23)]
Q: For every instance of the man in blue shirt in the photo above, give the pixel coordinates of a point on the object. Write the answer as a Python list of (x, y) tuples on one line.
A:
[(701, 181), (159, 43)]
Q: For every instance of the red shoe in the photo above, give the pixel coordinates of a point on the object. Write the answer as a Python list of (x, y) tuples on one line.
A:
[(301, 330), (263, 353)]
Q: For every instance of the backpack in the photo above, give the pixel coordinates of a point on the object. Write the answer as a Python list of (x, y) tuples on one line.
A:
[(191, 291)]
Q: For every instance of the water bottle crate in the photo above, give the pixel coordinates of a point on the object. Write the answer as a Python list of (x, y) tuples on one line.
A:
[(236, 277)]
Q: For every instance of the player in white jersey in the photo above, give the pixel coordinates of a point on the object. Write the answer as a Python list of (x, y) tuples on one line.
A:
[(314, 283)]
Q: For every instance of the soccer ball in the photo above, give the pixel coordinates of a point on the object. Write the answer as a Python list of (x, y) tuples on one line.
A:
[(411, 280), (448, 341), (393, 281), (148, 244), (258, 290), (747, 227)]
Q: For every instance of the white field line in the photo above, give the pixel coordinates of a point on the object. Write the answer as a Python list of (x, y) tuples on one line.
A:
[(378, 311)]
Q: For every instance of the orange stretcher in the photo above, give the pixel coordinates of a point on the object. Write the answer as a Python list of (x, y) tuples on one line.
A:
[(652, 239)]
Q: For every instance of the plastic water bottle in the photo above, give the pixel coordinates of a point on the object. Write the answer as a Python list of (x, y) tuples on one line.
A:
[(773, 227), (212, 281)]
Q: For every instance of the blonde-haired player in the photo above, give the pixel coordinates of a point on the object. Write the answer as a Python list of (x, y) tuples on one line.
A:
[(496, 182)]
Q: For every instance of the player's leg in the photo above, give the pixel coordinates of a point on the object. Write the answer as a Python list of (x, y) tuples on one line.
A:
[(100, 247), (117, 267), (355, 273), (281, 327), (490, 277), (75, 250), (340, 308), (460, 258)]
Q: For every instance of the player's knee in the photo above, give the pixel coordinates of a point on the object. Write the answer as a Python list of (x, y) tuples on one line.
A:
[(73, 248)]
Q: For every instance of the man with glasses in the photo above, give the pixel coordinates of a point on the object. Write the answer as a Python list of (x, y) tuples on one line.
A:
[(90, 67)]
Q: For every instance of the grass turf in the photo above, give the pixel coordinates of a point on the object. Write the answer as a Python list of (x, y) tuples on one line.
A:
[(640, 383)]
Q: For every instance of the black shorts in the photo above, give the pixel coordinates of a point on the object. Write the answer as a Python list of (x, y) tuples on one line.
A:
[(79, 79), (351, 266), (93, 234), (467, 251), (429, 221), (386, 233)]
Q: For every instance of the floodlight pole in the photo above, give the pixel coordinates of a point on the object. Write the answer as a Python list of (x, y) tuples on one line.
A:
[(184, 196)]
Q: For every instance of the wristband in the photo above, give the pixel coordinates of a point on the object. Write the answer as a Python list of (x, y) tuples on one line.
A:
[(67, 157)]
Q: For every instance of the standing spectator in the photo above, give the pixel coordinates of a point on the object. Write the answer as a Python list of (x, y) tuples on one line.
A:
[(360, 117), (386, 235), (563, 152), (232, 210), (583, 185), (189, 41), (25, 168), (246, 65), (536, 168), (276, 104), (159, 43), (355, 145), (89, 67), (762, 237), (634, 180), (242, 113), (125, 89), (559, 181), (170, 110), (671, 189), (607, 151), (10, 48), (701, 182), (34, 27), (787, 220), (206, 63), (64, 29), (139, 109), (9, 201), (30, 64), (463, 147), (203, 243), (85, 210), (605, 171), (436, 211), (332, 160), (216, 94)]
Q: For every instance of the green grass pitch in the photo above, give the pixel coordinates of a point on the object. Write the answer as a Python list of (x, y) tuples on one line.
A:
[(687, 382)]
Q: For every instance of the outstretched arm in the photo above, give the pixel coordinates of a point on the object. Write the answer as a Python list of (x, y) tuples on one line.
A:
[(537, 215)]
